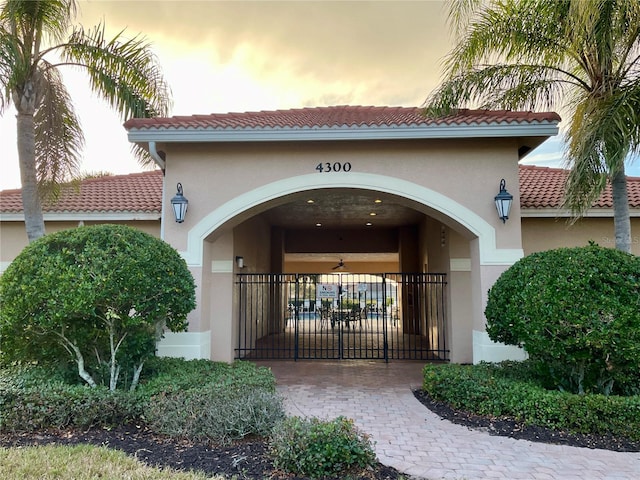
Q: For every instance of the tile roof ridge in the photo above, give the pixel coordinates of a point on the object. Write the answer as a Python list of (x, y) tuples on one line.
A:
[(303, 109), (117, 176), (100, 179), (562, 170), (12, 190), (543, 168), (350, 107)]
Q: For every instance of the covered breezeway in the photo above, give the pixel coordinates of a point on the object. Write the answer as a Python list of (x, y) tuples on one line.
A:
[(342, 316)]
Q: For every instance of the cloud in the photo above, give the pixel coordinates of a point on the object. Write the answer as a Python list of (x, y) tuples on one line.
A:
[(386, 52)]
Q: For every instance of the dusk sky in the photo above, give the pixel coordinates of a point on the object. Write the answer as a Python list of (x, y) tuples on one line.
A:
[(234, 56)]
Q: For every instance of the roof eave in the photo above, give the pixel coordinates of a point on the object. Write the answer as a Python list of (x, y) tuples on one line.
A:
[(211, 135)]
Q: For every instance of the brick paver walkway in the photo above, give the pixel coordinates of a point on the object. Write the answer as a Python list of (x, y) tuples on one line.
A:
[(412, 439)]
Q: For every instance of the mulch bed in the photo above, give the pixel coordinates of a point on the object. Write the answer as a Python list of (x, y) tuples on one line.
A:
[(509, 428), (249, 459)]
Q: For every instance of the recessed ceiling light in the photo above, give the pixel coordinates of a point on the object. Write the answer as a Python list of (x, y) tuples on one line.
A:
[(372, 214), (377, 200), (318, 224), (368, 224), (310, 201)]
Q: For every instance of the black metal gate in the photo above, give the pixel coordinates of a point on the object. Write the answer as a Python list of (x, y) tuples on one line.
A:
[(342, 316)]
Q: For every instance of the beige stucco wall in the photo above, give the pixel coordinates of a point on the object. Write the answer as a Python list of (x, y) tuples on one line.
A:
[(452, 183), (460, 286), (13, 236), (467, 171), (252, 241), (540, 234)]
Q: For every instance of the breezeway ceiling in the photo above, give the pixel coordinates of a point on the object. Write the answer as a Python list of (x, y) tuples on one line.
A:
[(343, 208)]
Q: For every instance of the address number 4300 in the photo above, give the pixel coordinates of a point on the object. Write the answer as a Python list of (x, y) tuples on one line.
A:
[(333, 167)]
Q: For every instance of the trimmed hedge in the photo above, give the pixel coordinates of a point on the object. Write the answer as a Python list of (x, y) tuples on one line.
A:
[(578, 311), (166, 375), (194, 399), (214, 413), (58, 405), (512, 390)]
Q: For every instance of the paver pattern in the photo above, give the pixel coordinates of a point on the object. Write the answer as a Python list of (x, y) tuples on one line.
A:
[(417, 442)]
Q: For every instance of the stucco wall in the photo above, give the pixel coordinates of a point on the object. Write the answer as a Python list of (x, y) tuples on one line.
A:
[(13, 237), (468, 174), (540, 234), (252, 241)]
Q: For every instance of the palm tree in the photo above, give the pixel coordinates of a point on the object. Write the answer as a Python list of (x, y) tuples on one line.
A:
[(581, 57), (36, 40)]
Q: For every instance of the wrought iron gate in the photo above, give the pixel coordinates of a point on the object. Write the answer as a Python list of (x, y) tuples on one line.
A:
[(342, 316)]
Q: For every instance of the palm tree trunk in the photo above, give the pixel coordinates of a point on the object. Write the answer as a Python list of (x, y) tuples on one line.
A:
[(621, 219), (33, 219)]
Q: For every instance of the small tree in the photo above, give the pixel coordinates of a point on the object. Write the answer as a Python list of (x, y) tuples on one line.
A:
[(100, 296), (577, 310)]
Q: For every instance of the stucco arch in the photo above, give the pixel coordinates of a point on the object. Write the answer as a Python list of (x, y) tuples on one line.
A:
[(489, 254)]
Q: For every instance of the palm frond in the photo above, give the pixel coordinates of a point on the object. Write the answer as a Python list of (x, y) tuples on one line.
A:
[(460, 14), (580, 56), (142, 156), (602, 133), (627, 23), (125, 72), (31, 18), (511, 32), (9, 58), (58, 137), (509, 87)]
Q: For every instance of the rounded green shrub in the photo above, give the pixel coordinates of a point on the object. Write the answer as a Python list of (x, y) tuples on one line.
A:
[(98, 297), (576, 310), (317, 448)]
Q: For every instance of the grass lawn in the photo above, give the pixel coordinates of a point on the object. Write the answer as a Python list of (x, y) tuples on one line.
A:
[(81, 463)]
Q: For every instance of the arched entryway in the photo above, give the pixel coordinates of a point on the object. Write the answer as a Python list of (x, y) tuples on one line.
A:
[(353, 274), (465, 245)]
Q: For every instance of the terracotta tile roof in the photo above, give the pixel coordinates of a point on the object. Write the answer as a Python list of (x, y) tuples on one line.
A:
[(133, 193), (540, 188), (543, 187), (335, 117)]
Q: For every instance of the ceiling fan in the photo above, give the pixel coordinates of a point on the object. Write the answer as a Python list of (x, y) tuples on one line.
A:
[(339, 266)]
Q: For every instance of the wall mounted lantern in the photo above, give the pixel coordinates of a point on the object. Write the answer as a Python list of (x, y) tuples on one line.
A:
[(240, 262), (503, 202), (179, 204)]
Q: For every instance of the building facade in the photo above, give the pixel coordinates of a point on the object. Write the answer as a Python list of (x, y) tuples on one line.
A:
[(348, 227)]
